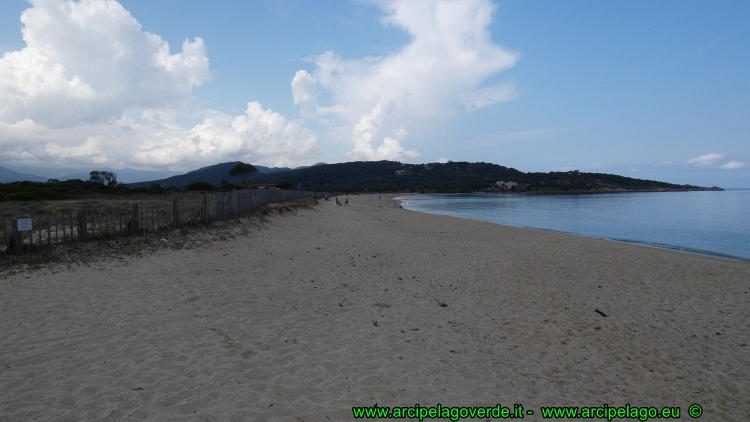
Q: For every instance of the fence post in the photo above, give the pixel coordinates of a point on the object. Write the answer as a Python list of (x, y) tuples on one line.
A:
[(5, 233), (17, 235), (83, 234), (15, 238), (134, 223), (176, 212), (204, 210)]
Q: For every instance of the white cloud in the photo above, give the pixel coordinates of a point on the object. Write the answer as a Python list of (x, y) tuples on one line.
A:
[(733, 165), (705, 160), (91, 87), (366, 130), (259, 136), (436, 75), (488, 96), (711, 159), (90, 62), (304, 92)]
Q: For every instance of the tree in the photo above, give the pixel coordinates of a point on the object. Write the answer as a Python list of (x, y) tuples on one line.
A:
[(106, 178), (96, 177), (242, 170), (283, 184), (227, 185)]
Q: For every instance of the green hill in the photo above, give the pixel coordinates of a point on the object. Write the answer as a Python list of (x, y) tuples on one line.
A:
[(211, 174), (392, 176)]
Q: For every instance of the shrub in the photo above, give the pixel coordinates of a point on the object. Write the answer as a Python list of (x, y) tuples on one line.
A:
[(200, 186), (21, 196)]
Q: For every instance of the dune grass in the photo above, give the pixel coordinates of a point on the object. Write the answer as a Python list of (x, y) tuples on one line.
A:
[(15, 209)]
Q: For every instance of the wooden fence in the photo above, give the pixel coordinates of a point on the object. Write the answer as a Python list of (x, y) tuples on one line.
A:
[(162, 213), (130, 197)]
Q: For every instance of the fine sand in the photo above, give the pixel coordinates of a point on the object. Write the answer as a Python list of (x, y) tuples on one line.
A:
[(337, 307)]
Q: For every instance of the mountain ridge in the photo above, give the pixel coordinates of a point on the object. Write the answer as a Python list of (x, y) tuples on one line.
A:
[(8, 176), (393, 176), (127, 175), (213, 174)]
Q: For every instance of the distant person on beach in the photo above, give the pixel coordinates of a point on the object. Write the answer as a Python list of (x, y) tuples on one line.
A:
[(327, 199), (337, 201), (346, 201)]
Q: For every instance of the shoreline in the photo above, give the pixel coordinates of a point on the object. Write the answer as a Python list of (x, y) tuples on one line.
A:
[(588, 192), (635, 243), (335, 307), (661, 246), (581, 192)]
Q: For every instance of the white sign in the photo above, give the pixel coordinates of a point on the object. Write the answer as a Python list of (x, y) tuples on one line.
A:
[(24, 224)]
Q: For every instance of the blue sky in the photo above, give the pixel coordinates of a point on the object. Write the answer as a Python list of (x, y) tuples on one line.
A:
[(656, 90)]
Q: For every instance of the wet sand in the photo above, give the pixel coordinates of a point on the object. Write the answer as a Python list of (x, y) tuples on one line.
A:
[(337, 307)]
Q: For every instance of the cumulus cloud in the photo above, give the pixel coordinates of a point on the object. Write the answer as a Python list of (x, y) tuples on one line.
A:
[(438, 73), (259, 136), (304, 93), (89, 62), (365, 131), (705, 160), (91, 87), (733, 165)]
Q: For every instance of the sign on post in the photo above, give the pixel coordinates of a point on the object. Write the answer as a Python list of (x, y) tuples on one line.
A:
[(23, 224)]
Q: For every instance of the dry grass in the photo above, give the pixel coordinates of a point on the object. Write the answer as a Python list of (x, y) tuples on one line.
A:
[(46, 213), (14, 209), (56, 258)]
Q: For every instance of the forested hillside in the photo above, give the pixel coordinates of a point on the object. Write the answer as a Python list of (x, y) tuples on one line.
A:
[(392, 176)]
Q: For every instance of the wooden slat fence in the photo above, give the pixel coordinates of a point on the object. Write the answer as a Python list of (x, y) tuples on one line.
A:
[(127, 197), (163, 213)]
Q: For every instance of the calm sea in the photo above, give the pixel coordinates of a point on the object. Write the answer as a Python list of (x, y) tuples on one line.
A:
[(714, 223)]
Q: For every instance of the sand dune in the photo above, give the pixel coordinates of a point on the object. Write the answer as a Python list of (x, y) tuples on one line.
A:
[(350, 306)]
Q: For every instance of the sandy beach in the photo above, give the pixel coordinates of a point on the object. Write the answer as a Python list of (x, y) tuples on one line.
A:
[(335, 307)]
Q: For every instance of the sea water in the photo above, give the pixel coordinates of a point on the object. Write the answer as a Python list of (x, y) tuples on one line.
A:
[(713, 222)]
